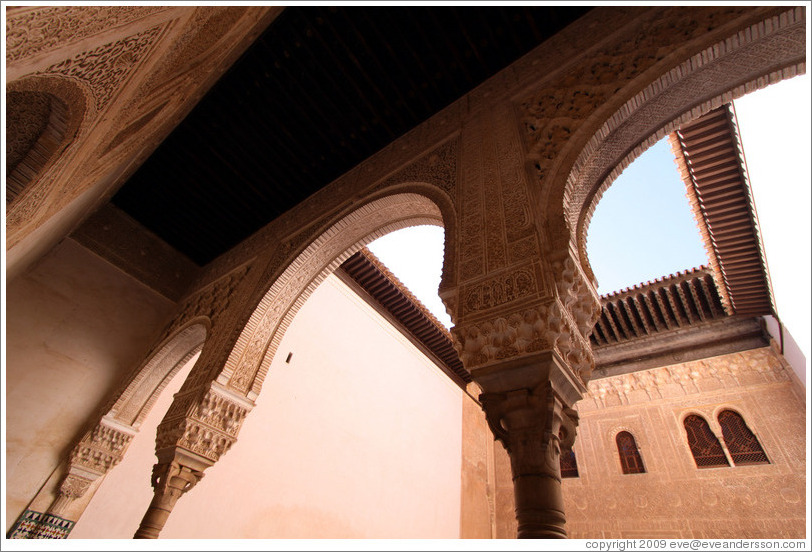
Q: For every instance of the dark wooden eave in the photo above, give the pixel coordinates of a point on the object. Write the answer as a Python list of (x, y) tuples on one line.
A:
[(678, 301), (385, 290), (712, 165)]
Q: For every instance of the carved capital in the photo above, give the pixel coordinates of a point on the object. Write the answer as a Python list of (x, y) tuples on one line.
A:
[(533, 425), (210, 425), (102, 448), (176, 473), (74, 486), (173, 479)]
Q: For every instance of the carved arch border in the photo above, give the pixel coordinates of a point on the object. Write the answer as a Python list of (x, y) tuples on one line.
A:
[(105, 442), (394, 208), (723, 72), (75, 99), (153, 376)]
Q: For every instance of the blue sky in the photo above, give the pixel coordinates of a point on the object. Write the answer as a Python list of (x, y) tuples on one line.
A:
[(643, 229)]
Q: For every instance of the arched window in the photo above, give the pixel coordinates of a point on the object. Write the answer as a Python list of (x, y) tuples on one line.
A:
[(741, 442), (704, 445), (630, 459), (569, 467)]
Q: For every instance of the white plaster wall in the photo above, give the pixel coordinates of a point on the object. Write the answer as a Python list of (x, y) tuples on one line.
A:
[(359, 436), (75, 326)]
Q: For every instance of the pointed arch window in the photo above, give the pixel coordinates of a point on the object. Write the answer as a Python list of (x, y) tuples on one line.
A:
[(630, 459), (742, 443), (704, 445), (569, 466)]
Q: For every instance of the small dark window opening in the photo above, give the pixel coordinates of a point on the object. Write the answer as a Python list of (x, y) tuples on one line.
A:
[(290, 356), (704, 445), (742, 444), (630, 459), (569, 466)]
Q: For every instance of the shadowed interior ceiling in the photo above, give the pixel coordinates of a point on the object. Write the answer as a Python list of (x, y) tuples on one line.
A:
[(320, 91)]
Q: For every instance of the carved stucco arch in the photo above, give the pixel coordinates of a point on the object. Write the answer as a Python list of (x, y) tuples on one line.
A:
[(249, 360), (68, 108), (694, 411), (150, 380), (761, 54), (106, 442)]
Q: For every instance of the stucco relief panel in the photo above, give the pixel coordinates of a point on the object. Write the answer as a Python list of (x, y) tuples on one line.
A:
[(471, 250), (552, 114), (104, 69), (33, 31)]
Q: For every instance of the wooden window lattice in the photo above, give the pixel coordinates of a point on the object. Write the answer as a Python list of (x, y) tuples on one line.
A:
[(569, 467), (704, 445), (630, 459), (742, 444)]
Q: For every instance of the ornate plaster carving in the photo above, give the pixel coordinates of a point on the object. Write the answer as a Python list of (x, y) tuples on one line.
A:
[(101, 448), (761, 54), (211, 300), (104, 68), (209, 426), (249, 360), (32, 31)]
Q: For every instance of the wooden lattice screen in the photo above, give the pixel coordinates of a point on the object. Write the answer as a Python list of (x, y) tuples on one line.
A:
[(704, 445), (741, 442)]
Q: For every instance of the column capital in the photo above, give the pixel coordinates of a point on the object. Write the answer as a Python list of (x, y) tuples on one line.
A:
[(206, 425), (175, 474), (532, 373)]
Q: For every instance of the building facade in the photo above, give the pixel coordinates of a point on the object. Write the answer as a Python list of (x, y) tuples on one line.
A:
[(103, 312)]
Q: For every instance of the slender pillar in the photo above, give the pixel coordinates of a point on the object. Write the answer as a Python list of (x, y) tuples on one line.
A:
[(170, 480), (533, 424), (199, 427)]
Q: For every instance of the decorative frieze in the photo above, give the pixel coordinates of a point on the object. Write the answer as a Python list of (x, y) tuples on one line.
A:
[(730, 371), (210, 427), (101, 449), (32, 31), (104, 68), (507, 287)]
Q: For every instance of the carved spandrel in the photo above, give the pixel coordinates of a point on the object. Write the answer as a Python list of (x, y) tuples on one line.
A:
[(31, 32), (104, 68)]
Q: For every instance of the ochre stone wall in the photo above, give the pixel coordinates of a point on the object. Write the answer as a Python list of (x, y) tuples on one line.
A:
[(476, 511), (675, 499)]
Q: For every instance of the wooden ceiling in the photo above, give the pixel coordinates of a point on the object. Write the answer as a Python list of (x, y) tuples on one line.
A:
[(320, 91)]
